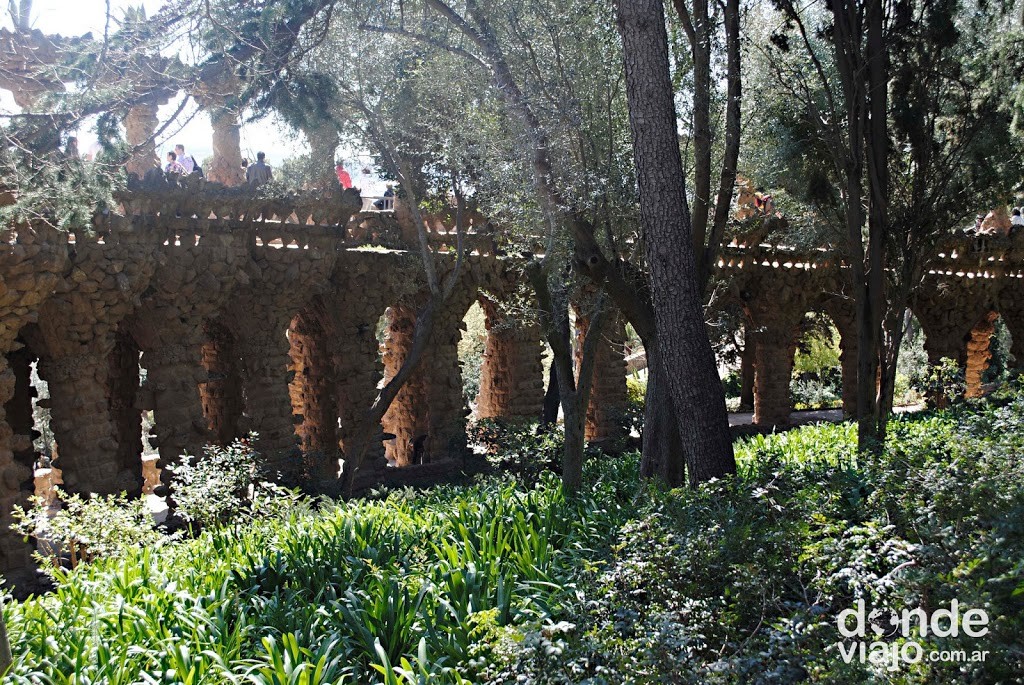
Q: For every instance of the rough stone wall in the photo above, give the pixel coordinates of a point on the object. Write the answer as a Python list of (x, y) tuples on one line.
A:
[(280, 284), (199, 265), (32, 260), (512, 373), (77, 332), (189, 256)]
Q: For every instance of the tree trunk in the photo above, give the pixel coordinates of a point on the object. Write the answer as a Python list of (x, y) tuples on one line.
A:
[(686, 354), (552, 400), (747, 374), (876, 145), (733, 111), (662, 456)]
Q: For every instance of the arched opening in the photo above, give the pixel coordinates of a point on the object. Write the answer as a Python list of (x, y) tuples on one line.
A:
[(475, 346), (817, 380)]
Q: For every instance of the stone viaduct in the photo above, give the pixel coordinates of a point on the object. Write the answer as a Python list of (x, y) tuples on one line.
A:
[(223, 312)]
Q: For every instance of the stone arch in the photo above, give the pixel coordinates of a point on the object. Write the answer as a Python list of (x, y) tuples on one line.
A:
[(428, 417), (1010, 304), (842, 312)]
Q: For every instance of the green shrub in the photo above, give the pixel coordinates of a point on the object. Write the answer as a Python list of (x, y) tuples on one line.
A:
[(227, 485), (81, 529), (815, 394)]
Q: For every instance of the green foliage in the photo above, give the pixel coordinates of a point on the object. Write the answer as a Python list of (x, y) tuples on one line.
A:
[(945, 383), (472, 345), (813, 393), (739, 581), (519, 447), (818, 351), (407, 584)]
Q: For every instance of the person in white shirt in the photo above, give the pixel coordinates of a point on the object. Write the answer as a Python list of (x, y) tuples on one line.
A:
[(1017, 219), (187, 162)]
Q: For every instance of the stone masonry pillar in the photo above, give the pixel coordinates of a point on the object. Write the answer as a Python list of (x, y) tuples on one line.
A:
[(978, 353), (512, 373), (448, 412), (82, 424), (19, 411), (140, 124), (428, 416), (174, 371), (775, 351), (222, 392), (607, 407), (357, 372), (226, 167), (127, 417), (14, 554), (312, 393), (265, 378), (747, 358), (407, 417)]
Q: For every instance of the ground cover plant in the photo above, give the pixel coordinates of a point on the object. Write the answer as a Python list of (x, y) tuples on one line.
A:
[(739, 581)]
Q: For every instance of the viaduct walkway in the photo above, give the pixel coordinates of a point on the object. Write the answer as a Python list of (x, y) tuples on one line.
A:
[(222, 312)]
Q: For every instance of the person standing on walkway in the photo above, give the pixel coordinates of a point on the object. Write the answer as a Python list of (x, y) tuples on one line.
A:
[(260, 172), (187, 162)]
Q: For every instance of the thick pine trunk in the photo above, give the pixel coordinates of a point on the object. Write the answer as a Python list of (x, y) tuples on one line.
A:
[(683, 345), (747, 374), (662, 456)]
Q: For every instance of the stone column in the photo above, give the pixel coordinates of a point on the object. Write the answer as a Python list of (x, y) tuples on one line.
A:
[(82, 423), (140, 125), (775, 351), (174, 371), (357, 372), (512, 374), (19, 410), (978, 353), (265, 379), (312, 394), (127, 417), (226, 167), (447, 406), (33, 260), (14, 477), (428, 416), (606, 411), (407, 417), (222, 392)]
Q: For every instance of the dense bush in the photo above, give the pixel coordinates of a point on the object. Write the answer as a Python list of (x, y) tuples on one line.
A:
[(740, 581)]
